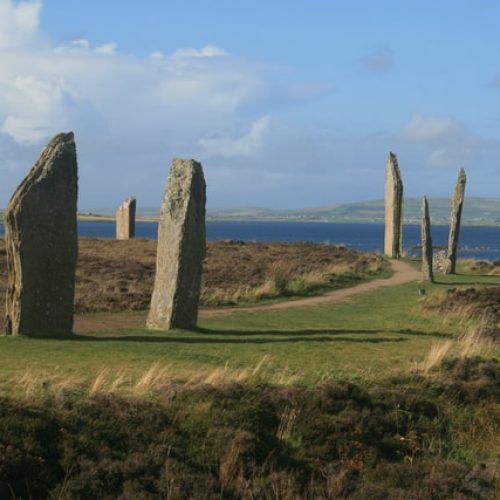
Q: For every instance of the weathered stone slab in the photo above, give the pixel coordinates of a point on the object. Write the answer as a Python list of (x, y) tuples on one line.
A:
[(181, 249), (457, 203), (42, 244), (393, 237), (425, 230), (125, 219)]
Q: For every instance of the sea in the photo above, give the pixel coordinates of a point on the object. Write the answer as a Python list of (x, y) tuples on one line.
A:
[(477, 242)]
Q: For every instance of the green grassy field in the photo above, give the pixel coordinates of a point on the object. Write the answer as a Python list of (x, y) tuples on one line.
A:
[(371, 338), (348, 400)]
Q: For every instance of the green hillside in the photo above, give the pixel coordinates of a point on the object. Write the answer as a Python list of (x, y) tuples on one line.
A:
[(476, 211)]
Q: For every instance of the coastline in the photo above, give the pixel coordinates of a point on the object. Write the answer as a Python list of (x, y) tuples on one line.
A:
[(410, 222)]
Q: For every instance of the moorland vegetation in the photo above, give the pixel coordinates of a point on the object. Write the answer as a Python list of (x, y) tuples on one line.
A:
[(392, 394)]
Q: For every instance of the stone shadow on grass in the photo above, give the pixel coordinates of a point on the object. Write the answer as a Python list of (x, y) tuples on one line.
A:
[(208, 336), (220, 339), (466, 283)]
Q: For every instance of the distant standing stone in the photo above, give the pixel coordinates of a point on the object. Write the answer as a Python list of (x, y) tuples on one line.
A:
[(181, 249), (456, 214), (125, 219), (42, 244), (393, 237), (427, 273)]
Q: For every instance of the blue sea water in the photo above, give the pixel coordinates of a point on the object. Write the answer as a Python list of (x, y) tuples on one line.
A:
[(475, 241)]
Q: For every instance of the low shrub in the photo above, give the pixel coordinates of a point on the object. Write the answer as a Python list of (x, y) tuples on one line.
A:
[(243, 441)]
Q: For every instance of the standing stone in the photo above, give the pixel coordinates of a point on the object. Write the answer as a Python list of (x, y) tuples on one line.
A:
[(181, 249), (456, 214), (393, 238), (42, 244), (427, 274), (125, 220)]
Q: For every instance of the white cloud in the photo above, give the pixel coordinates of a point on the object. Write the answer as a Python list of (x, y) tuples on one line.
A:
[(130, 115), (45, 89), (246, 145), (157, 55), (82, 46), (107, 48), (35, 108), (18, 23), (422, 128), (207, 51)]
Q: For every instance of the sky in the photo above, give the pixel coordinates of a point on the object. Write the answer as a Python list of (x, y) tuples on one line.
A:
[(287, 104)]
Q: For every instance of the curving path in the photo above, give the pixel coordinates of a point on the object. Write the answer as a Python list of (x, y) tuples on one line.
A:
[(401, 273)]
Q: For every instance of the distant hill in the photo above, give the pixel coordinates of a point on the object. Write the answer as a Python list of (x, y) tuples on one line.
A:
[(480, 211), (477, 211)]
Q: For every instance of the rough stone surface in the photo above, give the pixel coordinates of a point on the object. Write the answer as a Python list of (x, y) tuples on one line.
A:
[(427, 274), (42, 244), (125, 219), (393, 238), (181, 249), (456, 214), (439, 261)]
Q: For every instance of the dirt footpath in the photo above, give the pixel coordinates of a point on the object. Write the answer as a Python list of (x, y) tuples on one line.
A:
[(402, 273)]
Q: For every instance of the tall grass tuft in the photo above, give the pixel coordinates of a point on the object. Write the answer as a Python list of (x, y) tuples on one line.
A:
[(436, 355), (471, 342)]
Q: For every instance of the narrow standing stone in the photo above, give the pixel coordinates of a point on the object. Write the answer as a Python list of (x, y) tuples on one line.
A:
[(456, 214), (181, 249), (125, 219), (393, 238), (42, 244), (427, 274)]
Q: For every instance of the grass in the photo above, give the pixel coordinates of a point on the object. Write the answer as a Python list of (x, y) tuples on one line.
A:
[(282, 281), (372, 337), (355, 399)]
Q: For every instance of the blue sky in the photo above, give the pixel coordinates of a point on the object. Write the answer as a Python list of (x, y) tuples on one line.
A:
[(286, 104)]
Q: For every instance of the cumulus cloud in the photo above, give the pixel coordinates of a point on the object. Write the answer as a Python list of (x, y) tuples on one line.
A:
[(35, 106), (246, 145), (378, 61), (18, 23), (45, 89), (130, 115)]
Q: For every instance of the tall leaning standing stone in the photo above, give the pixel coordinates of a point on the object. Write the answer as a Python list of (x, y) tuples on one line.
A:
[(427, 274), (456, 214), (125, 219), (181, 249), (393, 238), (42, 245)]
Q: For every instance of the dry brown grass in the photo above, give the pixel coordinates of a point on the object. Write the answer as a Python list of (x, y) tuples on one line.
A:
[(118, 275), (159, 379), (471, 342), (485, 267)]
